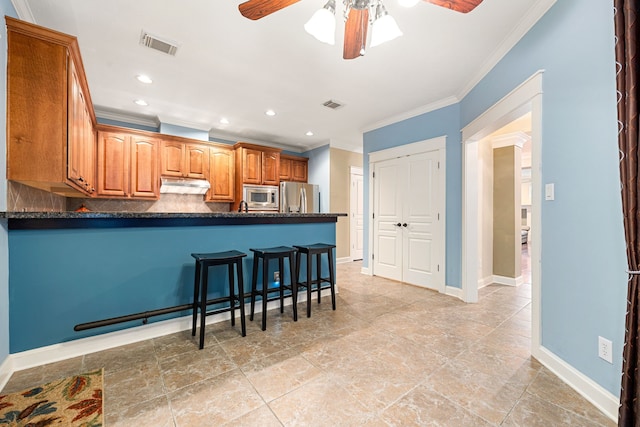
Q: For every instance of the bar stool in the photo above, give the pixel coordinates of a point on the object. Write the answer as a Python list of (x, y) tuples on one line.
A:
[(316, 249), (267, 254), (203, 262)]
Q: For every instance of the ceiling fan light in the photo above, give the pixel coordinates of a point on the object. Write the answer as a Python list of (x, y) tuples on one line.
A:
[(384, 29), (322, 24)]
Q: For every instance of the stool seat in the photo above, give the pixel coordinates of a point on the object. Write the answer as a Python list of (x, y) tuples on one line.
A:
[(267, 254), (203, 262), (316, 249), (222, 257)]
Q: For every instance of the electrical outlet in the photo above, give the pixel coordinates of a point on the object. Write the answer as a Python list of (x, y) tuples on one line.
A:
[(604, 349), (276, 276)]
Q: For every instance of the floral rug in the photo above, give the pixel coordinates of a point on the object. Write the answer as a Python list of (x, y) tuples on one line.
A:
[(74, 401)]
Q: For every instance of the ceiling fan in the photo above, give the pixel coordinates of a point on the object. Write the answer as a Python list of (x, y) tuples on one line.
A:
[(357, 16)]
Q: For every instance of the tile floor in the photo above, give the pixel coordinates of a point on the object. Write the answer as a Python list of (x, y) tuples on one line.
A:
[(391, 355)]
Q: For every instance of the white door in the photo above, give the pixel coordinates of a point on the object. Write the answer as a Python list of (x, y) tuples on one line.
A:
[(387, 221), (420, 221), (356, 226), (408, 231)]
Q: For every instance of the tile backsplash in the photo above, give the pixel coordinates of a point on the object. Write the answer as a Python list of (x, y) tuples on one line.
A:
[(22, 198)]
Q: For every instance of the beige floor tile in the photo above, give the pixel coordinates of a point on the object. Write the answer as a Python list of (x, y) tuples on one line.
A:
[(532, 411), (278, 379), (214, 401), (194, 366), (119, 358), (261, 417), (125, 387), (320, 403), (150, 413), (424, 407)]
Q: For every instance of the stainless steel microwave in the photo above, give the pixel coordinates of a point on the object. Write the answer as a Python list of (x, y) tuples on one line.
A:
[(261, 197)]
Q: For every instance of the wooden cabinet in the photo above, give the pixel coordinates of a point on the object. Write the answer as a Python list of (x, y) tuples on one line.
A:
[(221, 175), (127, 166), (50, 118), (184, 160), (257, 165), (293, 168)]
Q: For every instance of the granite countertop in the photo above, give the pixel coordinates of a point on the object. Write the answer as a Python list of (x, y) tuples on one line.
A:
[(61, 220), (160, 215)]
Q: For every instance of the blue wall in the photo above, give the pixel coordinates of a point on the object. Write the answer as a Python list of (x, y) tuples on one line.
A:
[(85, 275), (7, 9), (443, 122), (583, 281)]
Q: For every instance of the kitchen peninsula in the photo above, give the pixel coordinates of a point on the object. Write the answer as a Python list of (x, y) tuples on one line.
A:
[(69, 268)]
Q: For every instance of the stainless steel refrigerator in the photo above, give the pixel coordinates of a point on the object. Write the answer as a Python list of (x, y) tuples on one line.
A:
[(299, 197)]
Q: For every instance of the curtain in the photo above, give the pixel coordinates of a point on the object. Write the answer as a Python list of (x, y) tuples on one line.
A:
[(627, 69)]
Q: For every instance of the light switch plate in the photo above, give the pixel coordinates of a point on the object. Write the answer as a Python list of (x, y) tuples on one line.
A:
[(549, 191)]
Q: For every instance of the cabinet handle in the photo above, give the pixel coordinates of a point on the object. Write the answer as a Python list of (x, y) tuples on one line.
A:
[(80, 179), (398, 225), (404, 225)]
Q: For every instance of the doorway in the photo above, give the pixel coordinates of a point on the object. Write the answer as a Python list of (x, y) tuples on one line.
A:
[(356, 214), (408, 194), (525, 98)]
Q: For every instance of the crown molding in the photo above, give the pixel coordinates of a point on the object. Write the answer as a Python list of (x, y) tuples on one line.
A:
[(527, 22), (109, 114), (23, 10), (445, 102), (227, 136)]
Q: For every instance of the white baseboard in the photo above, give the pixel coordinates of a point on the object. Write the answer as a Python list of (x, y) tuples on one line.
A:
[(365, 270), (508, 281), (454, 292), (585, 386), (485, 282), (5, 371), (343, 260)]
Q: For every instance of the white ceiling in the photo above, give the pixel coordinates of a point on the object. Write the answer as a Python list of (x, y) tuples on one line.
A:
[(229, 66)]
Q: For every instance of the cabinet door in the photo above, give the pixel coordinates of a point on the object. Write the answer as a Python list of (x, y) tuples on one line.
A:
[(196, 161), (299, 171), (270, 170), (113, 164), (80, 138), (144, 168), (221, 175), (285, 169), (172, 158), (252, 166)]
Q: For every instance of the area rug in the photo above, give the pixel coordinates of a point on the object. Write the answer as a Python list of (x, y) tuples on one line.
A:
[(74, 401)]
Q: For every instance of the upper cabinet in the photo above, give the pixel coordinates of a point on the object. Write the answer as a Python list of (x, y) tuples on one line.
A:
[(50, 119), (184, 160), (293, 168), (257, 165), (221, 175), (127, 165)]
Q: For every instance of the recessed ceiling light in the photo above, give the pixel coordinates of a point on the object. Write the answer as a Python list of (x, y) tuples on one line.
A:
[(309, 133), (141, 102), (224, 121), (270, 113), (144, 78)]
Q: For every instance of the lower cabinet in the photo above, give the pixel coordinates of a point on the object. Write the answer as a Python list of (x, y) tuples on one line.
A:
[(221, 175), (127, 166)]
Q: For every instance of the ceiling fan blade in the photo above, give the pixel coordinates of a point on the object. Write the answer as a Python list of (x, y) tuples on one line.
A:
[(256, 9), (463, 6), (355, 32)]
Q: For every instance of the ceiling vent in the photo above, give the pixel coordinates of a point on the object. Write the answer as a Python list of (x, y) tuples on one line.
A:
[(334, 105), (157, 43)]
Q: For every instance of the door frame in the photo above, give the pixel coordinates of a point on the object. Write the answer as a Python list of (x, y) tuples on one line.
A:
[(434, 144), (524, 98), (353, 171)]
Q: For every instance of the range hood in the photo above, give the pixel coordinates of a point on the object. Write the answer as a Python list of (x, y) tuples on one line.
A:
[(184, 186)]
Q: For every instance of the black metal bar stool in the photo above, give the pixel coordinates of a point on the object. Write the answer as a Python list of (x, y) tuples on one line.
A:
[(203, 262), (267, 254), (316, 249)]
